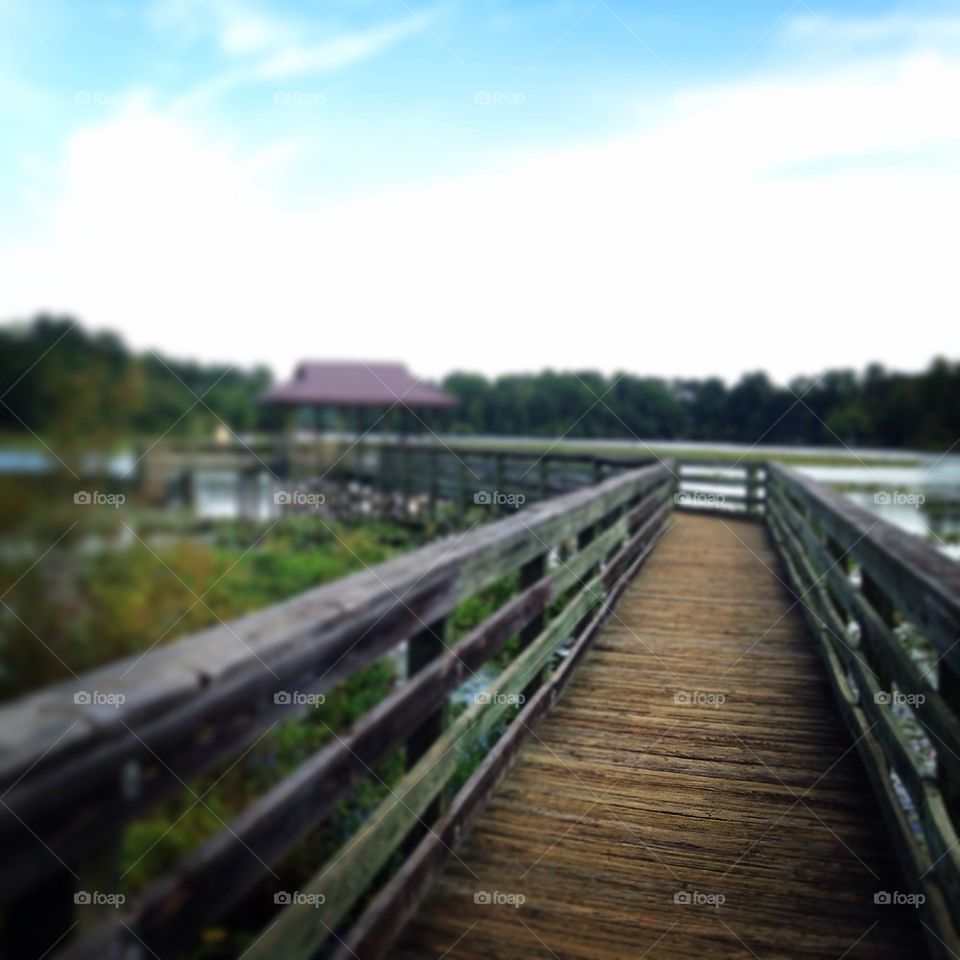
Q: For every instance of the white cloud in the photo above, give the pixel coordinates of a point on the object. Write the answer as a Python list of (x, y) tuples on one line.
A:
[(342, 51), (903, 27), (688, 250), (273, 46)]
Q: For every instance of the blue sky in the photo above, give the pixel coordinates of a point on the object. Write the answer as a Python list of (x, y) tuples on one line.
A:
[(469, 184)]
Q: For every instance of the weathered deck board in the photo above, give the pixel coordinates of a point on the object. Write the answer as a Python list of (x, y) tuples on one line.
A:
[(625, 797)]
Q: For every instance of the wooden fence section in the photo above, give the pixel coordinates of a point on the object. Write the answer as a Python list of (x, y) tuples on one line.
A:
[(81, 760), (722, 486), (885, 608), (465, 475), (411, 479)]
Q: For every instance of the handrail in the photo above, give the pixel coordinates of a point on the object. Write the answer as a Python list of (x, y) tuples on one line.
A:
[(386, 475), (877, 599), (74, 773), (456, 475), (697, 478)]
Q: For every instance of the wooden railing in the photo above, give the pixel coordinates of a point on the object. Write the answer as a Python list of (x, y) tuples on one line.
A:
[(722, 486), (415, 479), (80, 761), (461, 477), (885, 608)]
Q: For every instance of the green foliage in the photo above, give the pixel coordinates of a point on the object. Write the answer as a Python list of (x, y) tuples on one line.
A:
[(88, 603), (87, 391)]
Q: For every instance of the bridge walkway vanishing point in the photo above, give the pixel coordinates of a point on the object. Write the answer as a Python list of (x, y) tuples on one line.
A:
[(695, 792)]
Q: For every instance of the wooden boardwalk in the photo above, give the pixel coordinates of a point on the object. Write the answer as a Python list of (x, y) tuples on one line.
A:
[(697, 756)]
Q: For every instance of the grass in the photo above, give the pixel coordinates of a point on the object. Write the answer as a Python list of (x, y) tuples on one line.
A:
[(829, 457)]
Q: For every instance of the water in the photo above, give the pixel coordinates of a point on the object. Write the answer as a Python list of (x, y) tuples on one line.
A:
[(20, 462), (923, 498)]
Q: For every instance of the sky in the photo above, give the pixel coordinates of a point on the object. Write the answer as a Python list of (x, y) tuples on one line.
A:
[(673, 188)]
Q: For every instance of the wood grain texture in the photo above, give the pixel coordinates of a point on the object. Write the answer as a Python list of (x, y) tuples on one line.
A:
[(625, 796)]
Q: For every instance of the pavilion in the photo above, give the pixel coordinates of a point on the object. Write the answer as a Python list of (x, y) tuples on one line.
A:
[(325, 386)]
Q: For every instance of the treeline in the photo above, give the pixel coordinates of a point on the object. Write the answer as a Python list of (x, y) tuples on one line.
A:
[(81, 387), (876, 408), (91, 389)]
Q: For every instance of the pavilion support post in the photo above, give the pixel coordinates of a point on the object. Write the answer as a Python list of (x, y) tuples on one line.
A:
[(406, 455), (434, 494), (380, 483)]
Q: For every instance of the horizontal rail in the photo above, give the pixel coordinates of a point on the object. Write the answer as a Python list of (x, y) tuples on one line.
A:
[(76, 772), (697, 480), (885, 608)]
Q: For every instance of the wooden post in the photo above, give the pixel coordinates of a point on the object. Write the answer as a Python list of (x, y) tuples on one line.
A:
[(43, 915), (422, 648), (752, 505), (462, 492), (532, 571), (584, 538), (597, 470), (950, 691), (434, 495), (498, 477), (98, 873)]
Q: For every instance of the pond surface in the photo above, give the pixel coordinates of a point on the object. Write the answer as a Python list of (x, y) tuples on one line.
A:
[(923, 500)]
